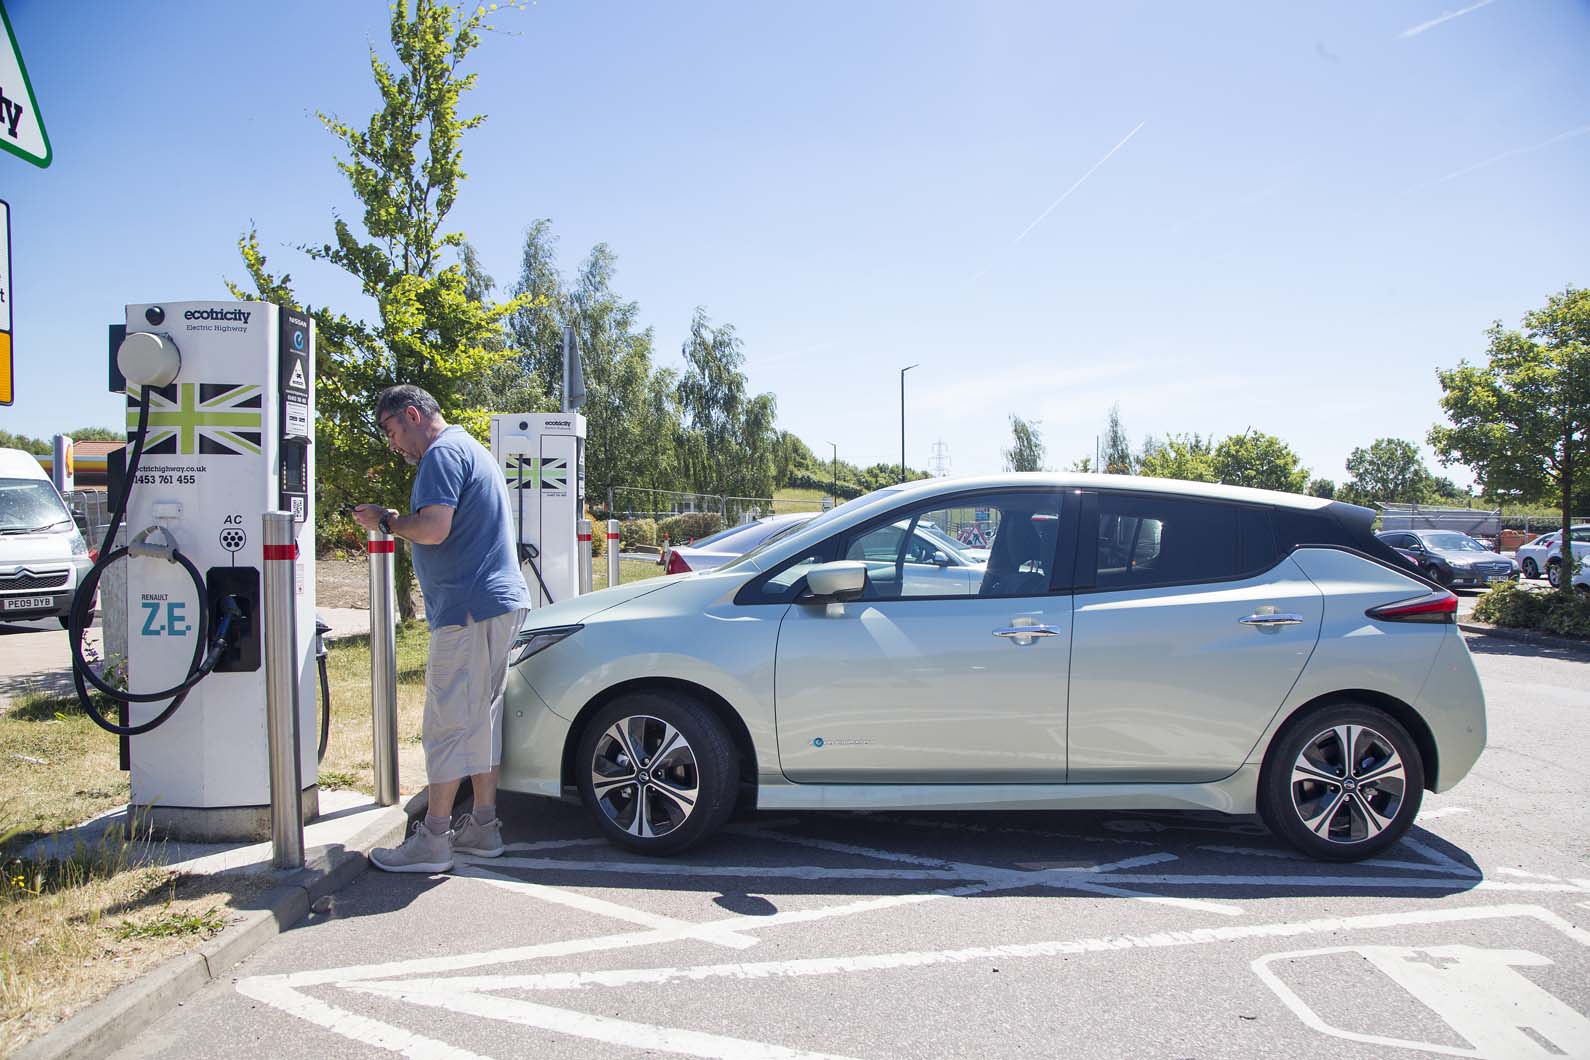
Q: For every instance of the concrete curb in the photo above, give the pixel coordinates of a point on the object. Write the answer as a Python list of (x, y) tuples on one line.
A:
[(107, 1025), (1527, 636)]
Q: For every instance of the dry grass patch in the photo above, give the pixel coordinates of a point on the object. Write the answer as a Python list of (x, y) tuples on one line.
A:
[(348, 763)]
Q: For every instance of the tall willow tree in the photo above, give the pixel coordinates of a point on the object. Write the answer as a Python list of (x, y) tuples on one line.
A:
[(405, 167)]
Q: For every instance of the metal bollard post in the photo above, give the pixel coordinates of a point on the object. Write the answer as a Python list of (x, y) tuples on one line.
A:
[(612, 552), (383, 668), (281, 692), (584, 526)]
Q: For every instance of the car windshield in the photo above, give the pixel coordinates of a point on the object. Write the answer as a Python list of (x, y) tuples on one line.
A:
[(827, 517), (30, 504), (943, 540), (1453, 542)]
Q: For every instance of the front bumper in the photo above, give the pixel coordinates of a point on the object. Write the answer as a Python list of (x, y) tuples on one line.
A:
[(28, 593)]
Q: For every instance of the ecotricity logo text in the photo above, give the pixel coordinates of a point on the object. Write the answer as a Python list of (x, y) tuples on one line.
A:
[(240, 315)]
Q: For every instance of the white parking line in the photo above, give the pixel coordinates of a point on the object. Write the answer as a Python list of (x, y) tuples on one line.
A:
[(1446, 865), (590, 904), (816, 966)]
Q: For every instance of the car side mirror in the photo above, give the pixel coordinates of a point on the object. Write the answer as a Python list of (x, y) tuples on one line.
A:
[(837, 581), (940, 559)]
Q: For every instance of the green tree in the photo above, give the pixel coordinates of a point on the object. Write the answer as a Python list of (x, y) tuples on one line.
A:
[(1026, 446), (1389, 470), (1181, 456), (1520, 420), (405, 167), (1117, 451), (36, 446), (1259, 460), (1321, 487), (97, 434)]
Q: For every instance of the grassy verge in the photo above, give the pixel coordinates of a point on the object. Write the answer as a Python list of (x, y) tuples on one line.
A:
[(72, 928), (629, 570), (348, 763)]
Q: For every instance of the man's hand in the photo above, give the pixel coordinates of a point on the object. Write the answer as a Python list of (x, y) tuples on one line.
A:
[(369, 515)]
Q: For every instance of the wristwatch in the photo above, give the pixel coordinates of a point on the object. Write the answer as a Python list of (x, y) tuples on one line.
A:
[(385, 523)]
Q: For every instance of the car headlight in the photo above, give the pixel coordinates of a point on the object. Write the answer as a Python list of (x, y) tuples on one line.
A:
[(531, 641), (1461, 564), (79, 546)]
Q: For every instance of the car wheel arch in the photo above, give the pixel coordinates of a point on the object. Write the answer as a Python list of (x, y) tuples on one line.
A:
[(1410, 718), (707, 697)]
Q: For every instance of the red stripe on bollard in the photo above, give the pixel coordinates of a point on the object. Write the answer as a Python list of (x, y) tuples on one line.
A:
[(383, 546), (583, 537), (287, 552), (612, 537)]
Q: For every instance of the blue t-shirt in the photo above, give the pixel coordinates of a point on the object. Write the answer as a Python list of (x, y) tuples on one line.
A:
[(474, 574)]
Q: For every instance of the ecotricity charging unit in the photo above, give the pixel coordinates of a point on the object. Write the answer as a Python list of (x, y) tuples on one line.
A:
[(542, 456), (224, 441)]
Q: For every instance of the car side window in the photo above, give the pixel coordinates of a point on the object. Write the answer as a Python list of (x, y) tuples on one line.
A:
[(784, 582), (929, 551), (1580, 537), (1147, 541)]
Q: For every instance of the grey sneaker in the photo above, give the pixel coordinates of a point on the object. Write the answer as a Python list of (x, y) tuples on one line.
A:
[(422, 851), (482, 840)]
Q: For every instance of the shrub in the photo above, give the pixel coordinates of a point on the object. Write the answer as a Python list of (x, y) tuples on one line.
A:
[(638, 532), (680, 529), (1509, 605), (1567, 614), (598, 536), (1554, 612)]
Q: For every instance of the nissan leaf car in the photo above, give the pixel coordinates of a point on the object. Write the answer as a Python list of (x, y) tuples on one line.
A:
[(1130, 643)]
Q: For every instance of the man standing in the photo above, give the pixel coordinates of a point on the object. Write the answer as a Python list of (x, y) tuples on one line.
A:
[(461, 532)]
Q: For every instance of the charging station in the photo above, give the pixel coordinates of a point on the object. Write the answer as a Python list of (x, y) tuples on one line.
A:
[(225, 438), (542, 455)]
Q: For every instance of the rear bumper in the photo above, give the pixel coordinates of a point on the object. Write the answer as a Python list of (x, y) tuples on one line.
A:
[(1452, 703)]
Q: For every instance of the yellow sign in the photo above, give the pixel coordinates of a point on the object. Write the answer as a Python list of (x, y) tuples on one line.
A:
[(6, 390), (71, 461), (5, 367)]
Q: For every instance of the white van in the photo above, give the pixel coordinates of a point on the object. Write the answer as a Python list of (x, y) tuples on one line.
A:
[(43, 556)]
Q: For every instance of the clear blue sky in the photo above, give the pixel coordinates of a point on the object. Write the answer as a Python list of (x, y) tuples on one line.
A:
[(1321, 204)]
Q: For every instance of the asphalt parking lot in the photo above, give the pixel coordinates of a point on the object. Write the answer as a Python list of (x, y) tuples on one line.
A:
[(977, 935)]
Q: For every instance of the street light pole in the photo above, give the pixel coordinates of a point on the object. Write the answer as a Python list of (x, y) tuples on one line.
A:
[(835, 492), (904, 370)]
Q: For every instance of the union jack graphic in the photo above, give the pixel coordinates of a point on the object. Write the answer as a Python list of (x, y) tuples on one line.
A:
[(207, 419), (528, 473)]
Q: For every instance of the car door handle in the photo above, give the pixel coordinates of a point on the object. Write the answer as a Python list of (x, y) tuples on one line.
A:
[(1027, 631), (1271, 619)]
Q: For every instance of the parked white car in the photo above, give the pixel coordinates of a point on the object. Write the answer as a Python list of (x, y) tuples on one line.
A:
[(1131, 643), (714, 551), (1543, 555), (43, 556)]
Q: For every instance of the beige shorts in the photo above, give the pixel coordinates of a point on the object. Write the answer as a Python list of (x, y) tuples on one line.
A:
[(465, 676)]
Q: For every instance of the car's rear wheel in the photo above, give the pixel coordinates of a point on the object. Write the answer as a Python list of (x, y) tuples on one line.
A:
[(657, 771), (1342, 783), (1531, 568)]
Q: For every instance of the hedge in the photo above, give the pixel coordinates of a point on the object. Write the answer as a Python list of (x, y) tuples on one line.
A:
[(638, 532), (1553, 612), (808, 480), (682, 529)]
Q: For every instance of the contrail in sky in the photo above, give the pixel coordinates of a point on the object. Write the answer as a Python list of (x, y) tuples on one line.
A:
[(1514, 153), (1446, 16), (1067, 193)]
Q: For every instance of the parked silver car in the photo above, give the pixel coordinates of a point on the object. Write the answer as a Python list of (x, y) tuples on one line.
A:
[(1451, 558), (712, 552), (1132, 643)]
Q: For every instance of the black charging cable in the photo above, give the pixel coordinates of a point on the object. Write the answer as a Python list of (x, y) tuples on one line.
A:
[(224, 614)]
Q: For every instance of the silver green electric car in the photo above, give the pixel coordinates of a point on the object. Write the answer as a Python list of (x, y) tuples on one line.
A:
[(1130, 643)]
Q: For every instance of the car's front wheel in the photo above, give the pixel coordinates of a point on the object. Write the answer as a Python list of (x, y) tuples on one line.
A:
[(1531, 568), (657, 771), (1554, 573), (1342, 783)]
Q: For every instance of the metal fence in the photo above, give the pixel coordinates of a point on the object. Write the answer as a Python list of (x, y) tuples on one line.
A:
[(635, 502), (1428, 517), (91, 511)]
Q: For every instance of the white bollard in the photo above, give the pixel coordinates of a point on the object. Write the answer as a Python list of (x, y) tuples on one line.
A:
[(612, 552), (281, 692), (584, 533), (383, 667)]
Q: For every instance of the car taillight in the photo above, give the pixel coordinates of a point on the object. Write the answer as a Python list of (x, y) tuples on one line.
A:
[(1432, 607), (677, 564)]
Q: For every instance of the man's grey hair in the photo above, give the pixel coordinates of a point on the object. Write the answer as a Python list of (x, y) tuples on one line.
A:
[(394, 399)]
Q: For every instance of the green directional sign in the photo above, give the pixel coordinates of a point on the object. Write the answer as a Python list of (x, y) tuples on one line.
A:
[(21, 125)]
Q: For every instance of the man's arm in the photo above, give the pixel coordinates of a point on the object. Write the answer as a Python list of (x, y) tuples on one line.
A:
[(428, 526)]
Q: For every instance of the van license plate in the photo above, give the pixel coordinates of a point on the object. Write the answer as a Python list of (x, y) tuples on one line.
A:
[(29, 603)]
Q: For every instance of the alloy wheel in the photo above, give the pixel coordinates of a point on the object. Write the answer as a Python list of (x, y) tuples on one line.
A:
[(1530, 569), (1348, 784), (645, 776), (1554, 573)]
